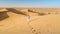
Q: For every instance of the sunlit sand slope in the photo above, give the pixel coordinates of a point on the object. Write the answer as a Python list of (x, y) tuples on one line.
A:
[(48, 24), (3, 10), (15, 24)]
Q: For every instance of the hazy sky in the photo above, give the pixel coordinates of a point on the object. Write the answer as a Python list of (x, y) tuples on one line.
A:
[(30, 3)]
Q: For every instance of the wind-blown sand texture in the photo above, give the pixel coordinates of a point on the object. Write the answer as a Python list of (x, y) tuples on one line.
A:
[(42, 21)]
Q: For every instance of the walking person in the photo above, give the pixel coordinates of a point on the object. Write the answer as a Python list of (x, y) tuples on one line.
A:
[(28, 18)]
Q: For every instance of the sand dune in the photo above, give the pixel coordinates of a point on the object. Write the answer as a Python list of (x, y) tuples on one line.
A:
[(16, 23), (3, 10)]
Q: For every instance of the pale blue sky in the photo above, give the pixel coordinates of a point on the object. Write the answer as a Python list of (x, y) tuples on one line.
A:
[(30, 3)]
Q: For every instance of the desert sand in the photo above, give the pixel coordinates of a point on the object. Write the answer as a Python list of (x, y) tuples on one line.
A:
[(16, 23)]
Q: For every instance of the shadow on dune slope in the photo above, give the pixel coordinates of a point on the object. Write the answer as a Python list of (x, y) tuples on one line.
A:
[(32, 11), (15, 11), (3, 15), (38, 12)]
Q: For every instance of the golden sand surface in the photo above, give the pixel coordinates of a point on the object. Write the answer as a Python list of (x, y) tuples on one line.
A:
[(15, 24), (48, 23)]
